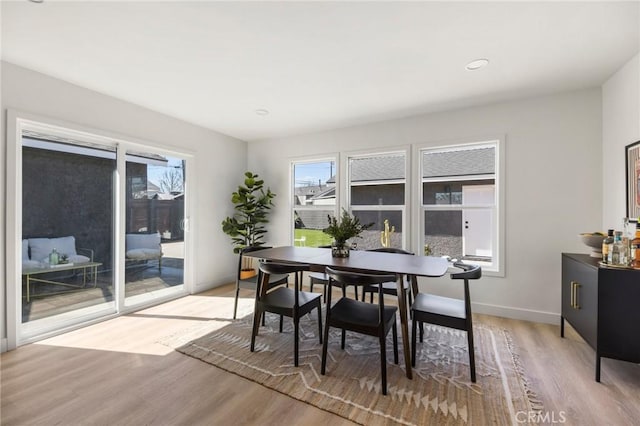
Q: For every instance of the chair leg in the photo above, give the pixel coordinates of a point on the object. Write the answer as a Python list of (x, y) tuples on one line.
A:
[(256, 326), (281, 323), (296, 323), (235, 303), (383, 363), (344, 338), (414, 332), (421, 332), (370, 298), (395, 342), (323, 367), (318, 307), (472, 358)]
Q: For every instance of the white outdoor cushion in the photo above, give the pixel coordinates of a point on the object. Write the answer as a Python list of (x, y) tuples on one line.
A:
[(42, 247), (25, 250), (143, 254), (27, 264), (78, 258), (143, 241)]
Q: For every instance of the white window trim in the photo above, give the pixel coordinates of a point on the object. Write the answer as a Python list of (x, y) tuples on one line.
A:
[(499, 265)]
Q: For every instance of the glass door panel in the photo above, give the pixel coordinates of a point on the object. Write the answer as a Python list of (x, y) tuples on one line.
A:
[(67, 233), (154, 240)]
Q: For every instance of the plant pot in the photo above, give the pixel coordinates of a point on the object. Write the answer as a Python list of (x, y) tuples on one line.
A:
[(340, 249), (247, 273)]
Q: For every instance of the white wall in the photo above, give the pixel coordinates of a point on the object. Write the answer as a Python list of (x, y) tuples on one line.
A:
[(620, 127), (219, 160), (553, 185)]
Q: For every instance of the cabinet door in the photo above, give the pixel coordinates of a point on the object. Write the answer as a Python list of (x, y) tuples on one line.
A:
[(580, 298)]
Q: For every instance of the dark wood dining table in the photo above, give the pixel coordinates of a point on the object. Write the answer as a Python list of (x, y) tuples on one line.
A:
[(366, 261)]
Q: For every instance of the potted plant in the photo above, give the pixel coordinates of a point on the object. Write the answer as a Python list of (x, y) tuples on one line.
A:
[(343, 229), (247, 226)]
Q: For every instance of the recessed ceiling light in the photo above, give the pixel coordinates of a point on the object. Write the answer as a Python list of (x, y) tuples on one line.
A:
[(262, 111), (477, 64)]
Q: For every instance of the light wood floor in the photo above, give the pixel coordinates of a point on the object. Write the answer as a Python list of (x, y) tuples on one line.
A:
[(116, 373)]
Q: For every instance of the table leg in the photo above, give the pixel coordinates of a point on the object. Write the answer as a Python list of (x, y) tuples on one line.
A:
[(402, 306), (28, 285)]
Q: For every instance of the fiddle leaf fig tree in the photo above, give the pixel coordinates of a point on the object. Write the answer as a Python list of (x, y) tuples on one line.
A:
[(252, 203)]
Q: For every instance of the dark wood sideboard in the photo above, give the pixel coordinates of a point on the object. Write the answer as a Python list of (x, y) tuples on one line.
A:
[(603, 305)]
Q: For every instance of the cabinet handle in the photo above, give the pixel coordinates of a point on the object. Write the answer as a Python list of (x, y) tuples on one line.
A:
[(574, 295)]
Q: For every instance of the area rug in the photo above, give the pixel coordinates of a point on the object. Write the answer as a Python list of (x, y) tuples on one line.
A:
[(441, 391)]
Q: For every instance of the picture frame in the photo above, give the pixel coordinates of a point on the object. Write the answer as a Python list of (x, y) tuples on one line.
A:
[(632, 161)]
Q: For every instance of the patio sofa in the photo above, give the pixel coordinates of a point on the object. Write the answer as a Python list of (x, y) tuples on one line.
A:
[(141, 247), (35, 251)]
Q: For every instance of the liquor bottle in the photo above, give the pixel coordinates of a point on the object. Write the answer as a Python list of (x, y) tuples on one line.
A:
[(627, 236), (54, 258), (635, 247), (618, 250), (606, 246)]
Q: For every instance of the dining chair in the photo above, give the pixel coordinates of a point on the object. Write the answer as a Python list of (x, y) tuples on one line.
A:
[(361, 317), (252, 281), (391, 288), (292, 303), (447, 312), (322, 279)]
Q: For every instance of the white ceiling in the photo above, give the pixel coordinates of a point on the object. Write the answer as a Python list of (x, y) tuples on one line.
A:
[(318, 65)]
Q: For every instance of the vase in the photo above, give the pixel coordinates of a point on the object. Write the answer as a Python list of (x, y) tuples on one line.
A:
[(339, 249)]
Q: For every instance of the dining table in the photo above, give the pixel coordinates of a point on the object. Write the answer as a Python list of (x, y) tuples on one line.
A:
[(366, 261)]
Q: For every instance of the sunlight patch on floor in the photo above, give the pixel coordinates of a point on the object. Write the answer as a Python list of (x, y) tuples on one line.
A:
[(155, 331)]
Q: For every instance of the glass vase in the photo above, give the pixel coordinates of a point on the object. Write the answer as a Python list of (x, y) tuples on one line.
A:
[(339, 249)]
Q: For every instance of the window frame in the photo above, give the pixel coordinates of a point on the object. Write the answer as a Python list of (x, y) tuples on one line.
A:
[(404, 209), (335, 157), (497, 268)]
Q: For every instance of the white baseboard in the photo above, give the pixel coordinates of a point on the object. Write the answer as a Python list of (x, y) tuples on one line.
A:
[(517, 313), (3, 345)]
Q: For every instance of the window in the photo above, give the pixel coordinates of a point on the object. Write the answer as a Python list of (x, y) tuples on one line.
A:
[(460, 202), (377, 195), (314, 198)]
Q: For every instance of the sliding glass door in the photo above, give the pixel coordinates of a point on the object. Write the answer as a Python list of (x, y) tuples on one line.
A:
[(155, 219), (98, 227), (67, 231)]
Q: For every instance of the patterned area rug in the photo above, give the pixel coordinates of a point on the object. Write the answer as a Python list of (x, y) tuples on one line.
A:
[(441, 391)]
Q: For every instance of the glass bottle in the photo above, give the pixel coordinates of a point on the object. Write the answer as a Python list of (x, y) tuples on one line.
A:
[(54, 257), (627, 236), (618, 251), (635, 247), (606, 246)]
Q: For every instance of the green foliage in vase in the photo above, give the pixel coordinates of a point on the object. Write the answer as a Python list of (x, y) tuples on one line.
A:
[(252, 203), (345, 228)]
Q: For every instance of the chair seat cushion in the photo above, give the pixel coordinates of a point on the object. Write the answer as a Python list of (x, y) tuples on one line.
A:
[(439, 305), (360, 314), (284, 297), (143, 254), (318, 276), (390, 287)]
